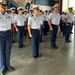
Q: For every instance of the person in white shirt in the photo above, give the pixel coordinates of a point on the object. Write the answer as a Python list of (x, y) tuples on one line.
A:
[(70, 18), (62, 27), (8, 11), (25, 14), (29, 14), (68, 26), (34, 26), (42, 27), (54, 21), (28, 4), (46, 26), (13, 14), (5, 39), (19, 24)]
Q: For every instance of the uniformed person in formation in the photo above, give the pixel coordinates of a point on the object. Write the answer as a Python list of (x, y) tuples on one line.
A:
[(8, 11), (62, 26), (42, 27), (13, 14), (25, 13), (54, 21), (5, 39), (68, 26), (34, 26), (46, 26), (19, 23), (29, 14)]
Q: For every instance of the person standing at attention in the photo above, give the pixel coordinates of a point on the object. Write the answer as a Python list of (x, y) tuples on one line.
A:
[(19, 24), (54, 21), (34, 26), (5, 39)]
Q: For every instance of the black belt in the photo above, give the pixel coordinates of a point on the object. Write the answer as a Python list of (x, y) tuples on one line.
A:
[(69, 22), (35, 29), (20, 26), (5, 31), (54, 25)]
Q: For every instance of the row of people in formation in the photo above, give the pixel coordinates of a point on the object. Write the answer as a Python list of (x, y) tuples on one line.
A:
[(44, 18), (37, 23)]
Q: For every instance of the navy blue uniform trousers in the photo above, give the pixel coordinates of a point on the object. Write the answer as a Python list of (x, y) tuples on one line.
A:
[(71, 26), (53, 35), (21, 32), (46, 27), (35, 42), (62, 28), (41, 33), (5, 49), (67, 31)]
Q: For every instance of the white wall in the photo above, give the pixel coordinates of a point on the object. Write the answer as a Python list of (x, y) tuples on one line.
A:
[(65, 4), (42, 7), (72, 4)]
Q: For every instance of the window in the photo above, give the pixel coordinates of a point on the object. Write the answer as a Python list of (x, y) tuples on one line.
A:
[(44, 2)]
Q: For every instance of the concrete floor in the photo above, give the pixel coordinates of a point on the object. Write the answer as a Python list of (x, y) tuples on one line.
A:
[(53, 62)]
